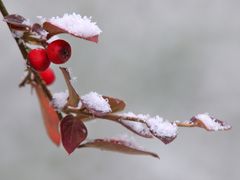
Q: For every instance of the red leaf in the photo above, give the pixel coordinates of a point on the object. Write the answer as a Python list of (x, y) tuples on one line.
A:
[(115, 104), (54, 30), (118, 146), (73, 132), (50, 116)]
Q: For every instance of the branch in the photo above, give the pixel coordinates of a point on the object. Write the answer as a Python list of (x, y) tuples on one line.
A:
[(24, 53)]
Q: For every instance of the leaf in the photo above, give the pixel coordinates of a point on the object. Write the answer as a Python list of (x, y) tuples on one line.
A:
[(209, 123), (95, 104), (162, 129), (55, 30), (50, 116), (166, 139), (137, 127), (73, 132), (37, 28), (16, 22), (118, 146), (73, 98), (115, 104)]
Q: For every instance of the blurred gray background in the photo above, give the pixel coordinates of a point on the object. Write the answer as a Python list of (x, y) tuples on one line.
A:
[(175, 58)]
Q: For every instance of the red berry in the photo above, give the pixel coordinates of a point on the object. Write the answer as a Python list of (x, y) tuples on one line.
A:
[(59, 51), (47, 76), (38, 59)]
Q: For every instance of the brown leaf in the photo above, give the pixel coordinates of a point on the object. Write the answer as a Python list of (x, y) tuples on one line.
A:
[(209, 123), (54, 30), (95, 104), (137, 127), (16, 22), (161, 129), (118, 146), (73, 132), (115, 104), (166, 139), (93, 111), (73, 98), (50, 116), (37, 28)]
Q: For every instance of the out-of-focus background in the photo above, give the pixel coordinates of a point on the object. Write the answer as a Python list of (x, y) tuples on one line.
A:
[(172, 58)]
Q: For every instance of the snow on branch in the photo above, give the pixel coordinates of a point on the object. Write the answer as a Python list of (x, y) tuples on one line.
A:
[(94, 105), (157, 126)]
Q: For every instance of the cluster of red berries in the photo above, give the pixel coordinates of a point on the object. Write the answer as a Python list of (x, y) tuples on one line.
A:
[(57, 52)]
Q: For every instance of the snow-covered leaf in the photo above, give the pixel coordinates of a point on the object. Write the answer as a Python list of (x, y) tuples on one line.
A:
[(50, 116), (137, 127), (118, 145), (162, 129), (209, 123), (74, 98), (73, 132), (96, 104), (17, 22), (73, 24), (115, 104)]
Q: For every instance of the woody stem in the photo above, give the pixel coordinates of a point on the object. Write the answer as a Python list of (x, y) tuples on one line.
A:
[(24, 53)]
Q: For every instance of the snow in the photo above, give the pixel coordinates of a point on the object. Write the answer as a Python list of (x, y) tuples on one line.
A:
[(17, 34), (44, 33), (79, 105), (138, 127), (210, 122), (157, 125), (42, 19), (75, 24), (138, 116), (60, 99), (27, 22), (96, 102), (53, 38), (161, 127)]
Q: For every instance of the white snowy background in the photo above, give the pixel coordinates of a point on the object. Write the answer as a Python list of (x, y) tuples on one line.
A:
[(172, 58)]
